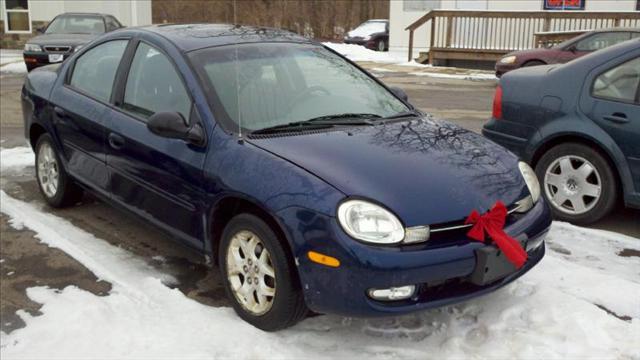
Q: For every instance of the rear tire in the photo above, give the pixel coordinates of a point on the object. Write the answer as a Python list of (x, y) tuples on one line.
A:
[(381, 45), (242, 258), (56, 186), (578, 183)]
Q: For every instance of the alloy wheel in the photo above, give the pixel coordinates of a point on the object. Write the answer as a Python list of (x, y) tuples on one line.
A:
[(48, 172), (381, 45), (572, 184), (250, 272)]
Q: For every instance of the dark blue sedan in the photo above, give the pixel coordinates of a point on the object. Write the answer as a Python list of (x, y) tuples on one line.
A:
[(579, 125), (312, 184)]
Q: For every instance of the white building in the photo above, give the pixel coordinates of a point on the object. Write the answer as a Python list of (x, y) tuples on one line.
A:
[(404, 12), (20, 18)]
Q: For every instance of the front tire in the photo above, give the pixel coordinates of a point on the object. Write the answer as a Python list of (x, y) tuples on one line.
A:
[(258, 276), (54, 183), (534, 63), (577, 182)]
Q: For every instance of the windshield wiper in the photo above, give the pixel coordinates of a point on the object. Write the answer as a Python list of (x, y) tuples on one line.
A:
[(323, 122), (402, 115)]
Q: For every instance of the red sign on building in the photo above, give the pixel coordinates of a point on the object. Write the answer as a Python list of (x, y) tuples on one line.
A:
[(564, 4)]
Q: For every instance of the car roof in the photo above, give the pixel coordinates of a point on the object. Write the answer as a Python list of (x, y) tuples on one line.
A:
[(617, 29), (189, 37), (84, 13)]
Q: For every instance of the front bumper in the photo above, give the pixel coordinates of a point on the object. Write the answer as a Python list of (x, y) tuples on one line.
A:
[(37, 59), (441, 274), (502, 69), (369, 44)]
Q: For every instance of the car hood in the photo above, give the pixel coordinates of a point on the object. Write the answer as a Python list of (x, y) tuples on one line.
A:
[(62, 39), (426, 171)]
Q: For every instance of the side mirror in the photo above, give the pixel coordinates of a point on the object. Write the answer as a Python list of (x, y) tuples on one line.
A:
[(172, 125), (399, 93), (40, 30), (572, 48)]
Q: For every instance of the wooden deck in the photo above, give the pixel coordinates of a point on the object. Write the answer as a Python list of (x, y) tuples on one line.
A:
[(487, 35)]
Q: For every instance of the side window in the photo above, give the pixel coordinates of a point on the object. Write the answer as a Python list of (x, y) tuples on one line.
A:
[(602, 40), (620, 83), (153, 85), (95, 70), (112, 24)]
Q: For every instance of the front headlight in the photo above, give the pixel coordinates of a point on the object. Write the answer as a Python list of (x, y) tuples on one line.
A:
[(508, 59), (370, 222), (531, 180), (32, 47)]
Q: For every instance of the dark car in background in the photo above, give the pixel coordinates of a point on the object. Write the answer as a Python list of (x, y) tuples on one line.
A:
[(313, 184), (578, 125), (565, 51), (64, 35), (372, 34)]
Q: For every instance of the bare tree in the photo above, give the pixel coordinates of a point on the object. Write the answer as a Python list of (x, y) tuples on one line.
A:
[(321, 18)]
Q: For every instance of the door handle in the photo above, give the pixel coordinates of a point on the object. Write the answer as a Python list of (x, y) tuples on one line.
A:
[(116, 141), (59, 111), (617, 118)]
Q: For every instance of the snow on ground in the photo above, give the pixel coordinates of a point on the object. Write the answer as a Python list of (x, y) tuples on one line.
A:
[(16, 158), (552, 312), (17, 67), (361, 53), (469, 76), (11, 61)]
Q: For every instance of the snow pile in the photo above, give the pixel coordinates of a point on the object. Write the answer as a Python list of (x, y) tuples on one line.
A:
[(470, 76), (17, 67), (11, 61), (16, 158), (360, 53), (561, 309)]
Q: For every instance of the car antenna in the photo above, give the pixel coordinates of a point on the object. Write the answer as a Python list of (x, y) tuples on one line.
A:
[(235, 25)]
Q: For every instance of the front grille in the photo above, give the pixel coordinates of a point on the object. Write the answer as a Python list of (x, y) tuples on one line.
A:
[(57, 49), (455, 232)]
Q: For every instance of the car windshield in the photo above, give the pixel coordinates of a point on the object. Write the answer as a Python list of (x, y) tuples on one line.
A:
[(76, 24), (368, 28), (258, 86)]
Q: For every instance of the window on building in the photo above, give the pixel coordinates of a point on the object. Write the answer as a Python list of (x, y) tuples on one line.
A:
[(420, 5), (564, 4), (17, 16)]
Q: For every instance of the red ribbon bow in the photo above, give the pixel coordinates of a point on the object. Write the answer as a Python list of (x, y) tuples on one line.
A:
[(492, 222)]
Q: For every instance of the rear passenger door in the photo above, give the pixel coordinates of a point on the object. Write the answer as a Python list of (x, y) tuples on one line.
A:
[(156, 177), (80, 109), (612, 101)]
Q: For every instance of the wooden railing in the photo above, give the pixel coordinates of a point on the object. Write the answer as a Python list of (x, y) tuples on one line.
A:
[(489, 33)]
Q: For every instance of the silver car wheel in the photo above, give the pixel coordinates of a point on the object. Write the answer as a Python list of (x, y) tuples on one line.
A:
[(572, 184), (250, 272), (48, 171), (381, 45)]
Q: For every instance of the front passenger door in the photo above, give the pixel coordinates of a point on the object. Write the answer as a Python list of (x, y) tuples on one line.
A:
[(155, 177)]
